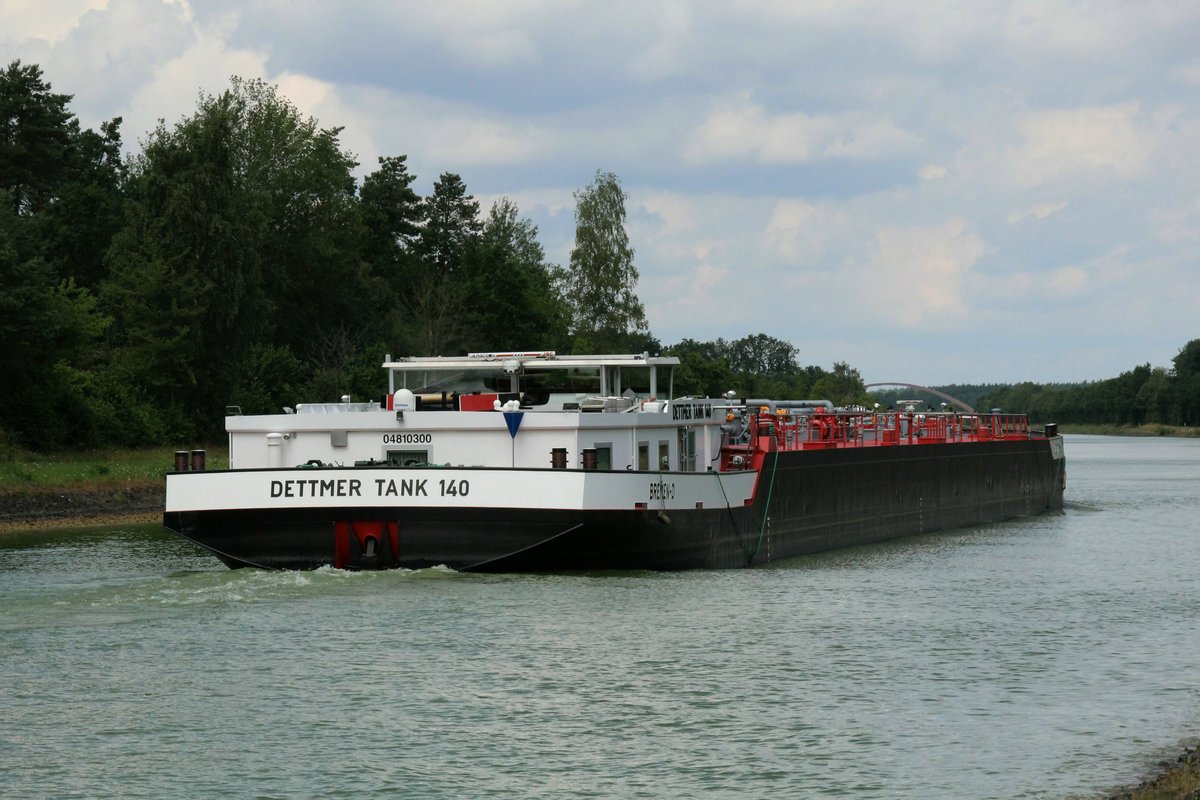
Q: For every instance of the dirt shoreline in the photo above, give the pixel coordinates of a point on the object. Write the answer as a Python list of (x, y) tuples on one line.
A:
[(75, 506), (1171, 780)]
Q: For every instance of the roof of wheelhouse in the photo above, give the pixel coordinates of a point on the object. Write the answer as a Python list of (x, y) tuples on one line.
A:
[(512, 362)]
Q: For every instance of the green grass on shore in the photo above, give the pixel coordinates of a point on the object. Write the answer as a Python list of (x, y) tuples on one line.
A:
[(23, 470), (1178, 781)]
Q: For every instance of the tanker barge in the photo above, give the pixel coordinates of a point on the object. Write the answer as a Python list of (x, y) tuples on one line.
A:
[(536, 461)]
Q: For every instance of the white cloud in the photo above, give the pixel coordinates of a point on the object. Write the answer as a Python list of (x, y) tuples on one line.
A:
[(678, 213), (469, 138), (1067, 280), (668, 54), (738, 128), (1188, 73), (553, 202), (1071, 30), (1177, 225), (484, 34), (492, 48), (694, 294), (799, 231), (172, 90), (932, 172), (916, 277), (40, 20), (1069, 143), (1025, 287), (102, 53), (671, 228), (324, 102), (1040, 211)]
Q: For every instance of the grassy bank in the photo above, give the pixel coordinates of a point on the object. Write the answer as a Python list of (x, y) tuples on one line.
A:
[(86, 487), (21, 470), (1179, 780)]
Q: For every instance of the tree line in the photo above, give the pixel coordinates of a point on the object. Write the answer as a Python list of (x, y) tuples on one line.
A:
[(1140, 396), (1144, 395), (236, 259)]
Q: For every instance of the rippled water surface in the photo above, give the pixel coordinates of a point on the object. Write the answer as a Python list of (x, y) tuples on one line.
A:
[(1049, 657)]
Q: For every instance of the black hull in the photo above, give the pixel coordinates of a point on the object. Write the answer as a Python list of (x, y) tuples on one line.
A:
[(806, 502)]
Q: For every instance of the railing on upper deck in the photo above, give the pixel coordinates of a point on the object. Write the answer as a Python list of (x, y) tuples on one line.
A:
[(815, 431)]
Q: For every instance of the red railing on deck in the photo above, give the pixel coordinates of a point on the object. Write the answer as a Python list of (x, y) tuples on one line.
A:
[(814, 431)]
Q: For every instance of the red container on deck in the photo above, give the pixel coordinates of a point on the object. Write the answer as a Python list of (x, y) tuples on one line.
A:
[(477, 402)]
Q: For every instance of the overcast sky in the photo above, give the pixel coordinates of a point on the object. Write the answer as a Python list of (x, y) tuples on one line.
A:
[(933, 192)]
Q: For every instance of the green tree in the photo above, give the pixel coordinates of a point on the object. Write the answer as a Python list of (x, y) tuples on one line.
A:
[(391, 215), (391, 212), (1122, 393), (49, 329), (1153, 400), (242, 231), (450, 225), (511, 300), (35, 138), (602, 280), (753, 366), (761, 354), (1186, 380), (66, 181), (450, 228), (50, 326), (703, 369), (843, 387), (88, 209)]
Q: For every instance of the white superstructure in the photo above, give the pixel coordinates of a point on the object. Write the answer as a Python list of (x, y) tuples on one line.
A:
[(624, 427)]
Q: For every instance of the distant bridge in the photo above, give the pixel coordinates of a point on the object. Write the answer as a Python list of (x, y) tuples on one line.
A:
[(943, 395)]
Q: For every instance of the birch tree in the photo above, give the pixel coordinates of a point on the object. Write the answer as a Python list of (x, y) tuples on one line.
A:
[(602, 280)]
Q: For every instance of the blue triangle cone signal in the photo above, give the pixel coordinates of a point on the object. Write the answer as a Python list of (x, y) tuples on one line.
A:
[(513, 420)]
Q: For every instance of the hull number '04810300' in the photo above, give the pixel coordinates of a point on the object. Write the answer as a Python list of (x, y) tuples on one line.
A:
[(408, 438)]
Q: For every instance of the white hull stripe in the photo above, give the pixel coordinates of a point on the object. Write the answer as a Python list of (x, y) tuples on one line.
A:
[(455, 488)]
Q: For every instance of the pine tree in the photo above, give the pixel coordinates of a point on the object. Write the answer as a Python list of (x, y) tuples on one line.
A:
[(450, 229)]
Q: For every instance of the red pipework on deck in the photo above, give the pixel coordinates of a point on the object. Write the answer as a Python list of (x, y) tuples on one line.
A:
[(821, 430)]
